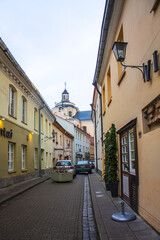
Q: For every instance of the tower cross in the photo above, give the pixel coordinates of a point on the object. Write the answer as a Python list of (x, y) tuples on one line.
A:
[(65, 84)]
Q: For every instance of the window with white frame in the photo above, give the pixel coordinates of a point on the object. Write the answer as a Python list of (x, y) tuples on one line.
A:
[(35, 158), (24, 108), (46, 159), (35, 118), (46, 127), (11, 147), (12, 101), (50, 159), (23, 157)]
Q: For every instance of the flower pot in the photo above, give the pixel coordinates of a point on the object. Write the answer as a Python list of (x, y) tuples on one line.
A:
[(114, 189)]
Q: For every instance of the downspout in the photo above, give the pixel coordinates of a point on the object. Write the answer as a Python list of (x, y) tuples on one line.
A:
[(95, 137), (100, 95), (40, 170)]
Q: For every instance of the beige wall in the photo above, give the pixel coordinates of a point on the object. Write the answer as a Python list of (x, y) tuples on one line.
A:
[(141, 29), (22, 131)]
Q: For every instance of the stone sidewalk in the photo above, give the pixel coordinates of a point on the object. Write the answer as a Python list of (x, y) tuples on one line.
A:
[(16, 189), (104, 206)]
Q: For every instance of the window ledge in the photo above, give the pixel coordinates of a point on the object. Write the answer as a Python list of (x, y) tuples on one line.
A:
[(109, 101), (24, 122), (121, 77), (11, 171), (24, 170), (12, 116)]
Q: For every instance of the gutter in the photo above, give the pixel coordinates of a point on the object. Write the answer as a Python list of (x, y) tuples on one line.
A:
[(95, 136), (100, 95), (109, 6)]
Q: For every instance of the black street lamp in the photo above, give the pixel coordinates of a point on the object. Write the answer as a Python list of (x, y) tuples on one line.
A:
[(119, 49)]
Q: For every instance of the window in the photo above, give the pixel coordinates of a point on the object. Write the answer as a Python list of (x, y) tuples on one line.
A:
[(60, 140), (50, 159), (24, 105), (11, 147), (12, 101), (109, 86), (46, 127), (121, 69), (104, 99), (128, 152), (46, 159), (50, 134), (41, 123), (35, 119), (70, 114), (23, 158), (35, 158), (84, 128)]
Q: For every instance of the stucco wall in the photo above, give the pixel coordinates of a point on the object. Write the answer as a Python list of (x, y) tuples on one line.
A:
[(141, 29)]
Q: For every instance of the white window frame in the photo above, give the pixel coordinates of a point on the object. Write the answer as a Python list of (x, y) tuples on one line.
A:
[(36, 158), (35, 118), (23, 157), (131, 150), (46, 159), (12, 101), (11, 147), (24, 108)]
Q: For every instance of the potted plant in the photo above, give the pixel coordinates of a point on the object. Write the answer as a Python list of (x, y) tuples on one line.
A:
[(106, 160), (111, 162)]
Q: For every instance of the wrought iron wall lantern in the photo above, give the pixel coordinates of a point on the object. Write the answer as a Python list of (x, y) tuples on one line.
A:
[(53, 136), (119, 49)]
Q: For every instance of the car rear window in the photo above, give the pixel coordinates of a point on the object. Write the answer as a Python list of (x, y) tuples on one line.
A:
[(82, 162), (63, 163)]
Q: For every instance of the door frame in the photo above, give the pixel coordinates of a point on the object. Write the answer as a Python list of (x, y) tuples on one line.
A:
[(133, 183)]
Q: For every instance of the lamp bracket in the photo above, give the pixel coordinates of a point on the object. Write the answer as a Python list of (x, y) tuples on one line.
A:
[(132, 66)]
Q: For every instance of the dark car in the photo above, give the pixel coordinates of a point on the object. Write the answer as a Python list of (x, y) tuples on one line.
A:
[(83, 166)]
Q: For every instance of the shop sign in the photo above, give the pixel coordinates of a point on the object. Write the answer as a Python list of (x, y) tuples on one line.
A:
[(4, 133)]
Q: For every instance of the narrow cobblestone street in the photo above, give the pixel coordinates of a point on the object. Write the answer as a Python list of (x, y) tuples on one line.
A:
[(47, 211)]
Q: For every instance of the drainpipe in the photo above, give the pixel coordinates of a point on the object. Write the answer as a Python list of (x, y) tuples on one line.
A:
[(95, 136), (100, 95), (40, 170)]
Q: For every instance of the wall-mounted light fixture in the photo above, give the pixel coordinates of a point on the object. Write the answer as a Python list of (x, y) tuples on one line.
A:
[(29, 135), (2, 118), (119, 49)]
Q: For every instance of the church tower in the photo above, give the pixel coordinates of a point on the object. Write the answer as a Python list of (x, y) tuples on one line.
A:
[(65, 95)]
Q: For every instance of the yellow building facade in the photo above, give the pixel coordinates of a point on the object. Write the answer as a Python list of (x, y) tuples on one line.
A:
[(132, 101), (19, 124)]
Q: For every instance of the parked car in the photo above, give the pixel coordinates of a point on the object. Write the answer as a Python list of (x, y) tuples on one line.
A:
[(63, 171), (92, 164), (83, 166)]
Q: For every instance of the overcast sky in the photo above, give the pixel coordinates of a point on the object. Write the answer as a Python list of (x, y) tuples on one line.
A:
[(55, 41)]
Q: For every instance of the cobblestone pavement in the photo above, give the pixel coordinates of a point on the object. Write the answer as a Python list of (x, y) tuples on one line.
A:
[(48, 211)]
